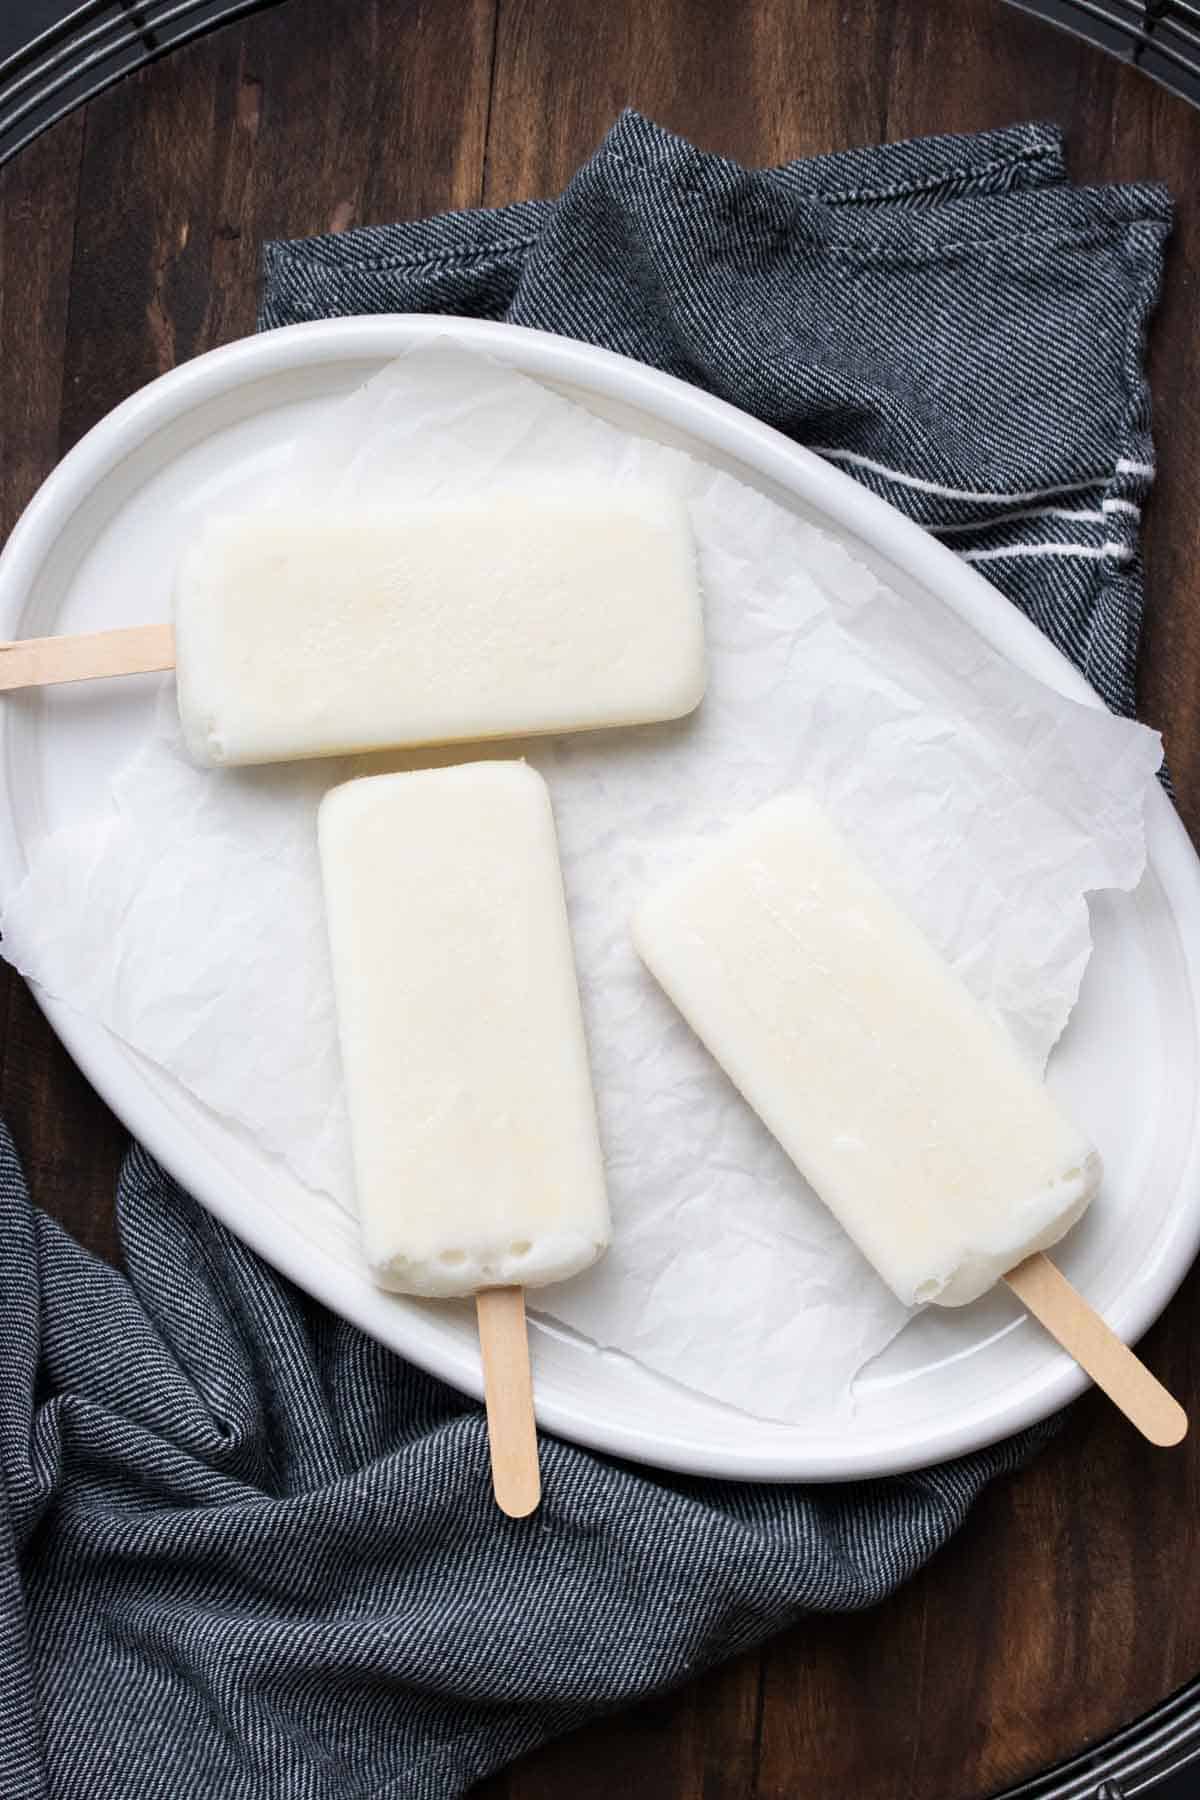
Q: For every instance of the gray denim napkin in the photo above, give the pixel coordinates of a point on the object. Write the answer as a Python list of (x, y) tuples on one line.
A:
[(244, 1550), (948, 320)]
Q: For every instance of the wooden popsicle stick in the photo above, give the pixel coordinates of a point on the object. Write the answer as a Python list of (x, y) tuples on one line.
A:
[(508, 1389), (39, 662), (1082, 1333)]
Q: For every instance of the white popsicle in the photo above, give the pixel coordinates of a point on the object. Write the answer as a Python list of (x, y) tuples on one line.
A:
[(476, 1155), (561, 608), (904, 1104)]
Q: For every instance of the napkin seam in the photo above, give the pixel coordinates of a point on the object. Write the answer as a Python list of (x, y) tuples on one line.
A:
[(1092, 237), (1032, 141), (944, 178), (1154, 213), (278, 257)]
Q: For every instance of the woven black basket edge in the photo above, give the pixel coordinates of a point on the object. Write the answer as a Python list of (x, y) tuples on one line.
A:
[(1161, 38), (92, 48), (1132, 1761), (100, 41)]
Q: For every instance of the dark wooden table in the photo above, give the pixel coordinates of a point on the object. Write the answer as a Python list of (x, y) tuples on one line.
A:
[(129, 241)]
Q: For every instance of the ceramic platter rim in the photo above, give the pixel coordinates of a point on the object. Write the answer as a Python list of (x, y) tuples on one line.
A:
[(690, 1433)]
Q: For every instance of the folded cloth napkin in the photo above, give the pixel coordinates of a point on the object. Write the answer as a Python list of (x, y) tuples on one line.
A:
[(245, 1551), (949, 320)]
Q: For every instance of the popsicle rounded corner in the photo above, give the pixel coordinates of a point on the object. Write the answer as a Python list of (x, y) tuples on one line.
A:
[(652, 924), (692, 685), (976, 1275), (338, 805), (693, 666), (512, 776), (515, 773), (202, 735), (642, 924), (203, 732), (201, 738)]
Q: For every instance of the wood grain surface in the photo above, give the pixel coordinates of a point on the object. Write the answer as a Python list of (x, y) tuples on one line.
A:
[(129, 240)]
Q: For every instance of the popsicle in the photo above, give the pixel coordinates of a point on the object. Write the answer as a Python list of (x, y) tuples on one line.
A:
[(476, 1156), (901, 1100), (546, 608)]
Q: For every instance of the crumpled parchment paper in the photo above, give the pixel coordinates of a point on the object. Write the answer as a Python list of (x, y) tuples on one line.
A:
[(189, 919)]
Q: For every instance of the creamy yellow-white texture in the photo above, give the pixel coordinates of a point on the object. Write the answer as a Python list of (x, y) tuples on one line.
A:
[(904, 1104), (476, 1155), (559, 608)]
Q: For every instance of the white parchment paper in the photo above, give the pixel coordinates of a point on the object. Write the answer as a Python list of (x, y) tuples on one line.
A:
[(189, 919)]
